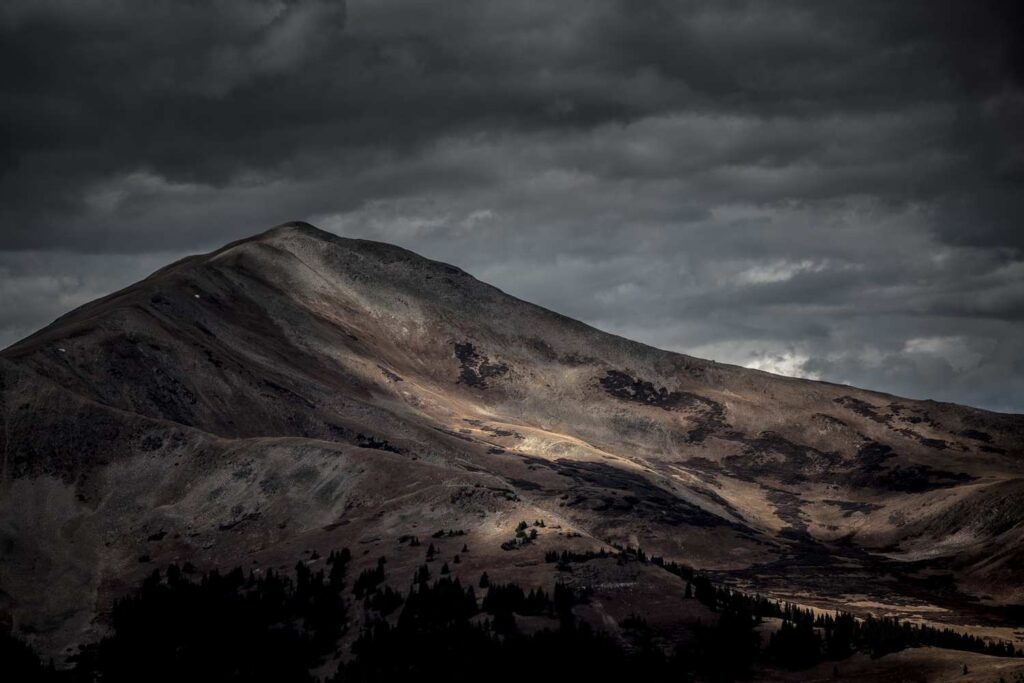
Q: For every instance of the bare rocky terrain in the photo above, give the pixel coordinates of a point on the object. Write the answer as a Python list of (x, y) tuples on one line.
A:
[(297, 391)]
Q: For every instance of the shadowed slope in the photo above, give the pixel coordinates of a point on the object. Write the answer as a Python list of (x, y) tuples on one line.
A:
[(297, 388)]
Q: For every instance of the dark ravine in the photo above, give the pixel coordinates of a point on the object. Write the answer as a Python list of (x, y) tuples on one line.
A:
[(297, 390)]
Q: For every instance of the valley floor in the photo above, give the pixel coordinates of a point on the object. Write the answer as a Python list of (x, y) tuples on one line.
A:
[(924, 665)]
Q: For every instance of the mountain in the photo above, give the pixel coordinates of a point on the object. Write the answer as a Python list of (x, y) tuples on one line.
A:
[(296, 392)]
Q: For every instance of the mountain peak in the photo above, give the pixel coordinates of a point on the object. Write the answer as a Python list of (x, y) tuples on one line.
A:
[(301, 227), (300, 389)]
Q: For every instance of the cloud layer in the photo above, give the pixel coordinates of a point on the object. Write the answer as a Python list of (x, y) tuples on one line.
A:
[(831, 190)]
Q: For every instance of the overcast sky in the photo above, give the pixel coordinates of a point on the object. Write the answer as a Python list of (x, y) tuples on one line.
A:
[(823, 189)]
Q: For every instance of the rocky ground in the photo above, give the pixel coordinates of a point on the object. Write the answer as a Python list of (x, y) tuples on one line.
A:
[(298, 392)]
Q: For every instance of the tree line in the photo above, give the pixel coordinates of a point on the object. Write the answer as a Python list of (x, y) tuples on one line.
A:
[(183, 624)]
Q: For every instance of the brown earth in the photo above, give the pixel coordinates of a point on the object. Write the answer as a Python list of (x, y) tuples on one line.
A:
[(297, 391)]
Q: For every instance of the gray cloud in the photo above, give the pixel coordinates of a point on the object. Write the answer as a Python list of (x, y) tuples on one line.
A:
[(825, 189)]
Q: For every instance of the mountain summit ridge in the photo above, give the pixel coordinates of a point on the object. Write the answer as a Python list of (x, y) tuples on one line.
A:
[(298, 389)]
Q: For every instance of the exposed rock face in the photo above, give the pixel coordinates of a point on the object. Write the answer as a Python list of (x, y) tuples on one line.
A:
[(299, 390)]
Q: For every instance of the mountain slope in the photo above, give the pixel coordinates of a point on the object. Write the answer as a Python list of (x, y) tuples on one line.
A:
[(297, 390)]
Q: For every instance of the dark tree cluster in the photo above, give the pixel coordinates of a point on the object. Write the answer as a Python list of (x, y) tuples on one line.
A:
[(384, 600), (565, 559), (369, 579), (804, 638), (443, 634), (19, 662), (183, 625), (450, 533), (180, 626), (522, 537), (506, 599)]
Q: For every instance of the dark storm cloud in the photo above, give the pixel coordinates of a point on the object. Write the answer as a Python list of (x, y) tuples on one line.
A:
[(827, 189)]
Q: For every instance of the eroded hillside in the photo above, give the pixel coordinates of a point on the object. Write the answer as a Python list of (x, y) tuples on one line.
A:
[(298, 390)]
